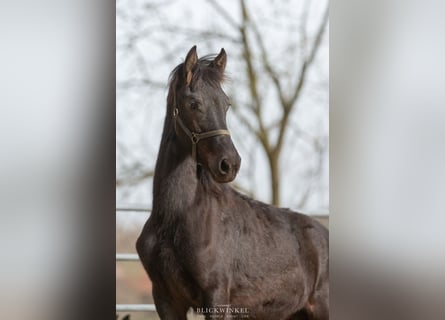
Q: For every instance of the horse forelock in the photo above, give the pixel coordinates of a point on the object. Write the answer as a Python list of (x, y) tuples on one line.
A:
[(203, 70)]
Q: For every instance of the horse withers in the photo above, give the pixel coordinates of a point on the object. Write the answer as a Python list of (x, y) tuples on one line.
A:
[(205, 245)]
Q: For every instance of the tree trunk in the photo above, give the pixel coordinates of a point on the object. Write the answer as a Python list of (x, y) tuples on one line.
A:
[(274, 178)]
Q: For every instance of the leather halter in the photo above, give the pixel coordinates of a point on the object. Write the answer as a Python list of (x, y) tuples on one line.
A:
[(194, 136)]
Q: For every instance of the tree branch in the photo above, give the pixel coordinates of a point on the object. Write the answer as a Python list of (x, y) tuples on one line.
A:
[(308, 60), (126, 181), (131, 83), (303, 25), (223, 13), (200, 33), (244, 120), (302, 77), (262, 133), (267, 66)]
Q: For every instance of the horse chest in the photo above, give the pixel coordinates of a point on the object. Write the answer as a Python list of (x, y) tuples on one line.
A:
[(170, 262)]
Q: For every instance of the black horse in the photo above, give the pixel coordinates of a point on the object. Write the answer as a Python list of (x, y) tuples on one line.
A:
[(206, 246)]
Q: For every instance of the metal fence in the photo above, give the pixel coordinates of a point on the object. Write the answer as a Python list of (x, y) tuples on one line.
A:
[(135, 257), (132, 257)]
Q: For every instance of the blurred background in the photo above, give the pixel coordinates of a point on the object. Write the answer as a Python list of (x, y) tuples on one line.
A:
[(278, 69), (57, 172)]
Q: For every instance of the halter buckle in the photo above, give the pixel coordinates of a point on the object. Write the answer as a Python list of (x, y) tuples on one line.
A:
[(194, 138)]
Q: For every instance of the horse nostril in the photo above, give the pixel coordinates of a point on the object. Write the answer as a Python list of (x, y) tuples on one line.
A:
[(224, 166)]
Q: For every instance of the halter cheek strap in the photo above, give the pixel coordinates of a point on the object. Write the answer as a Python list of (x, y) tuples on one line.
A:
[(196, 137)]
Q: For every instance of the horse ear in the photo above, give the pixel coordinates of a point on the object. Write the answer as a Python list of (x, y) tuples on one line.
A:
[(189, 64), (221, 60)]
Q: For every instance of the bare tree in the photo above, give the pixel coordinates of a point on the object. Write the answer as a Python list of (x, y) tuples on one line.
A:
[(287, 99), (265, 79)]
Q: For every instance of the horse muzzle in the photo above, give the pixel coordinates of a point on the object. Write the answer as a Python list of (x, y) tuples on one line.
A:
[(221, 158), (228, 168)]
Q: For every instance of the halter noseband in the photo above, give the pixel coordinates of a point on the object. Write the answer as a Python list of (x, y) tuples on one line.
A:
[(196, 137)]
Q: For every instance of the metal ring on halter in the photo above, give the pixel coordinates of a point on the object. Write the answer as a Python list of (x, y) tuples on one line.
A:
[(194, 138)]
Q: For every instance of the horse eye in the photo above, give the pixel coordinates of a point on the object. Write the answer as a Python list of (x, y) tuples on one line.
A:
[(194, 105)]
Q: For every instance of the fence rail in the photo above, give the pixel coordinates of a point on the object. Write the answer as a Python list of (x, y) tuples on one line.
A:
[(127, 257), (138, 209), (132, 257), (135, 307)]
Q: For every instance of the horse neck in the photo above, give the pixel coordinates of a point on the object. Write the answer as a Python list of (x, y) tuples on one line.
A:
[(175, 180)]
